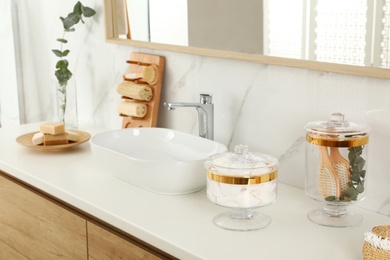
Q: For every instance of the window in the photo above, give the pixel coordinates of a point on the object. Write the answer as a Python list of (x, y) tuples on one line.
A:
[(354, 32)]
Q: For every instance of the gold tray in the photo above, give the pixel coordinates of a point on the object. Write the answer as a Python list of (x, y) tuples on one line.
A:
[(26, 140)]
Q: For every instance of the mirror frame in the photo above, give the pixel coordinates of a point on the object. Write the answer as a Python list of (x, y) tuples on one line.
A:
[(111, 35)]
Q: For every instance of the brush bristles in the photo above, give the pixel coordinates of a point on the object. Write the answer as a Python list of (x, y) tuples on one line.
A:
[(343, 175), (150, 74), (327, 182)]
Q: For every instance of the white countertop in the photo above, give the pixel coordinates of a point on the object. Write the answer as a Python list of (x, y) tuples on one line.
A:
[(180, 225)]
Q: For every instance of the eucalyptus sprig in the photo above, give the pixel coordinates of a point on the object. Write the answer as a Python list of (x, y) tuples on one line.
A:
[(358, 173), (62, 73)]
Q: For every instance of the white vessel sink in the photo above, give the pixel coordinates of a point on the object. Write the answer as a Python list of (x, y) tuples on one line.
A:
[(160, 160)]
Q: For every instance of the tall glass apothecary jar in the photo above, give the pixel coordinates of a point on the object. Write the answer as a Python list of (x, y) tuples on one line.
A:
[(336, 169)]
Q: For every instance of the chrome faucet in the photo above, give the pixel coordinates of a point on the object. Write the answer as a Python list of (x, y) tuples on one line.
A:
[(205, 110)]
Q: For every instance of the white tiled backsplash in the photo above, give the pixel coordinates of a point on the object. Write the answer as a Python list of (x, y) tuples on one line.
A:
[(263, 106)]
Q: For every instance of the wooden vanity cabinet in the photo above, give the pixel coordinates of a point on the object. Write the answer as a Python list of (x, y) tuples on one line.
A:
[(34, 225), (7, 252), (103, 244), (37, 228)]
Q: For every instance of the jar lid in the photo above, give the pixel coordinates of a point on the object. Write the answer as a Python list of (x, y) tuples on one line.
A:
[(336, 126), (336, 132), (241, 162)]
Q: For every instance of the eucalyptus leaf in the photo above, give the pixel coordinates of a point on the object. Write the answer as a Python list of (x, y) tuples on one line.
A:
[(74, 17), (62, 40), (77, 8), (58, 53), (357, 150), (352, 159), (65, 53), (360, 160), (355, 177), (62, 79), (358, 166), (62, 64), (355, 168), (69, 21), (360, 188), (63, 76), (330, 198), (351, 193), (88, 12)]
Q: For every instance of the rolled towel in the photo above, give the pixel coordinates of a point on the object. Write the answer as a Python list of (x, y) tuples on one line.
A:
[(149, 74), (135, 91), (129, 108)]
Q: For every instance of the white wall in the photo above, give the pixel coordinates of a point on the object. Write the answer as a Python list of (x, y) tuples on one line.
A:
[(260, 105)]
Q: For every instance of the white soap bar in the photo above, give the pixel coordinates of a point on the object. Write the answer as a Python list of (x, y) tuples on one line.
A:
[(38, 138), (72, 136)]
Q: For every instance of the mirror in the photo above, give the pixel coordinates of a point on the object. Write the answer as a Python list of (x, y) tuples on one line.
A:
[(354, 43)]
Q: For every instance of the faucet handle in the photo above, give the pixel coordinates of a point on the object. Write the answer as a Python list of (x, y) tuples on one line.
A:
[(206, 98)]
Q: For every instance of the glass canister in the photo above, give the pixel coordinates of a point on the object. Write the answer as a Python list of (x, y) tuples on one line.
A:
[(242, 181), (336, 164)]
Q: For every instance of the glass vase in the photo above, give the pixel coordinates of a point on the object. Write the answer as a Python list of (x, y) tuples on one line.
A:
[(64, 103)]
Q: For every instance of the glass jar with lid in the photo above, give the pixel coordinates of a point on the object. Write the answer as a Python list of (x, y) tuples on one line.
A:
[(336, 164), (242, 181)]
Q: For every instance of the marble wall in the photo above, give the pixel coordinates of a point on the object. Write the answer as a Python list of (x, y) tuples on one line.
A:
[(260, 105)]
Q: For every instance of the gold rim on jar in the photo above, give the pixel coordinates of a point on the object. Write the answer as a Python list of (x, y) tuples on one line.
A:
[(337, 143), (242, 180)]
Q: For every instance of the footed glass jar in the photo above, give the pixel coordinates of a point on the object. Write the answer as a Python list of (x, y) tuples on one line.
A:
[(242, 181), (336, 163)]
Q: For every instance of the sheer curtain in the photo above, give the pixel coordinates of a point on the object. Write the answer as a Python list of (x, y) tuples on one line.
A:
[(27, 65), (9, 105)]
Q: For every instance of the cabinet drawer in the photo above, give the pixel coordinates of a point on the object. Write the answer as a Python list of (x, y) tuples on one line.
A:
[(38, 228), (103, 244), (7, 252)]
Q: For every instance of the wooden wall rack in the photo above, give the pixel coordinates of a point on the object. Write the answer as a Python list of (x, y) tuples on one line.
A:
[(136, 64)]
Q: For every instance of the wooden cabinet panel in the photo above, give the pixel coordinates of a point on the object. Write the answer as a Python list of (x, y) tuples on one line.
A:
[(7, 252), (37, 227), (103, 244)]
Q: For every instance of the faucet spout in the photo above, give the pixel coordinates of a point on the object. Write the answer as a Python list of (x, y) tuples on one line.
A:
[(205, 110), (174, 105)]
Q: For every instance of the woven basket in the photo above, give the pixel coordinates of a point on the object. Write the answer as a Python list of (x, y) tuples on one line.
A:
[(372, 253)]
